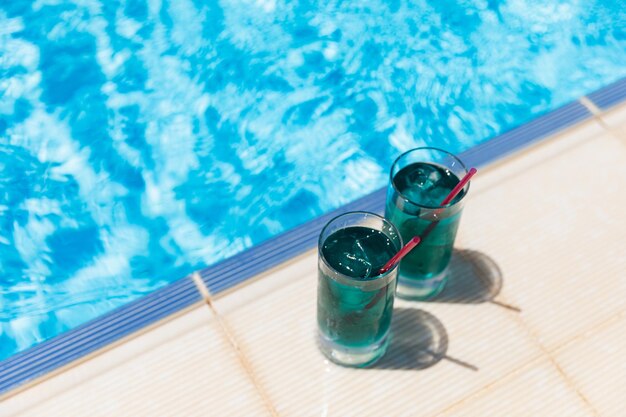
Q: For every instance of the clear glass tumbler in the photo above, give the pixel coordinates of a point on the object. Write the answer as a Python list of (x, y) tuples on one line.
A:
[(420, 180), (355, 301)]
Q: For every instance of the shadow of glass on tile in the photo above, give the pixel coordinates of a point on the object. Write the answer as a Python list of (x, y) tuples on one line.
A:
[(419, 340), (474, 278)]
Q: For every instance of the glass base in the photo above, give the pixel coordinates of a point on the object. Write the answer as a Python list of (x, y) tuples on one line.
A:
[(421, 289), (349, 356)]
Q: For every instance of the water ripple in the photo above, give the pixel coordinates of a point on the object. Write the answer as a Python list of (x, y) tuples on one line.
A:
[(142, 140)]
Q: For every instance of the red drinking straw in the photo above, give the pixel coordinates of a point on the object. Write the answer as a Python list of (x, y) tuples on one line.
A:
[(401, 254), (416, 239), (459, 186)]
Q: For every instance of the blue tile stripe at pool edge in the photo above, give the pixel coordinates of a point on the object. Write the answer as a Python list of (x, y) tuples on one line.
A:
[(610, 95), (110, 327), (525, 135)]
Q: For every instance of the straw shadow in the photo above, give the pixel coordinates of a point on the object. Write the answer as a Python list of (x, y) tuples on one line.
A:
[(419, 341), (473, 278)]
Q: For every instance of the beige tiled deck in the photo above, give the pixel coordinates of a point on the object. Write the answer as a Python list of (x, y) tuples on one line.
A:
[(533, 321)]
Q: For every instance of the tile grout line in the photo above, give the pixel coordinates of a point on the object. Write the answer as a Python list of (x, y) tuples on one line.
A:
[(597, 113), (590, 105), (486, 388), (545, 354), (572, 385), (514, 311), (585, 334), (548, 353), (228, 334)]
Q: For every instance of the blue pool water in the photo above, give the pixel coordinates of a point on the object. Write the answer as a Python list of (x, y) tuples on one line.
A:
[(140, 141)]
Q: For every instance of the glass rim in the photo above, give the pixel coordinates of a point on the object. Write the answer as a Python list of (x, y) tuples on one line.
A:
[(349, 278), (430, 148)]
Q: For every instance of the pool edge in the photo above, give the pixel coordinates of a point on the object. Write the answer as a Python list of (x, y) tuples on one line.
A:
[(39, 361), (62, 350)]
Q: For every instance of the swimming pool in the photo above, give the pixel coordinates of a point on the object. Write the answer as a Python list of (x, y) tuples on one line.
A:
[(140, 141)]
